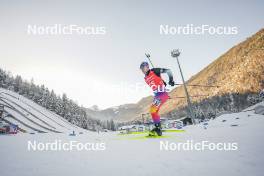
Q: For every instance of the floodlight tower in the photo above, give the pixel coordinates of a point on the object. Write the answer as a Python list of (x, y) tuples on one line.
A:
[(175, 54)]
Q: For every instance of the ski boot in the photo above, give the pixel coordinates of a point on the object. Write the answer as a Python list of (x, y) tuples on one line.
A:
[(156, 130)]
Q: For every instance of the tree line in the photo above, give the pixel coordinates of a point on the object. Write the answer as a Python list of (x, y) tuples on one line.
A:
[(61, 105), (217, 105)]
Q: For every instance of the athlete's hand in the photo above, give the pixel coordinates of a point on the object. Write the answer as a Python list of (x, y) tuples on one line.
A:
[(171, 83)]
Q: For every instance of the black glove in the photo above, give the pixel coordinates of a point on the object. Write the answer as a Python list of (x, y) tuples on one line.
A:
[(171, 83)]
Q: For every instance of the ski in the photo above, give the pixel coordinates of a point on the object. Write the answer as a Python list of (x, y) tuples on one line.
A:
[(147, 132)]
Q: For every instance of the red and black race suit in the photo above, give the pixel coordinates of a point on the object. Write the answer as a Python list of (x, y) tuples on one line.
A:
[(154, 80)]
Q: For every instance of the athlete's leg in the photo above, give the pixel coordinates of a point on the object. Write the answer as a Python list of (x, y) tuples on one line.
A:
[(158, 101)]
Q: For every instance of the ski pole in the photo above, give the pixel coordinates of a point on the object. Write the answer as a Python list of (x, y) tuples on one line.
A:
[(148, 56), (193, 85), (190, 96), (196, 85)]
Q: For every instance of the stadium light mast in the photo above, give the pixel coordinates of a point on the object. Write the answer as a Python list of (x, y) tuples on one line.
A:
[(175, 54)]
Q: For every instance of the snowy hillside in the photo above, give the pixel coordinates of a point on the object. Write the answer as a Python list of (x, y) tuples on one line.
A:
[(132, 155), (30, 117)]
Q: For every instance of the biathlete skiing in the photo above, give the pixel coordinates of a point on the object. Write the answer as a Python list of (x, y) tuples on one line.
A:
[(158, 85)]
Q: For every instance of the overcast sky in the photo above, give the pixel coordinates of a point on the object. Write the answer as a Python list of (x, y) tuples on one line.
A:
[(93, 69)]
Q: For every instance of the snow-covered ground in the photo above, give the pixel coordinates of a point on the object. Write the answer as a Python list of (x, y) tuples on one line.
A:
[(131, 155)]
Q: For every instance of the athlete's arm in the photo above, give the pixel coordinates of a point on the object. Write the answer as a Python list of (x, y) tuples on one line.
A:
[(158, 71), (169, 73)]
